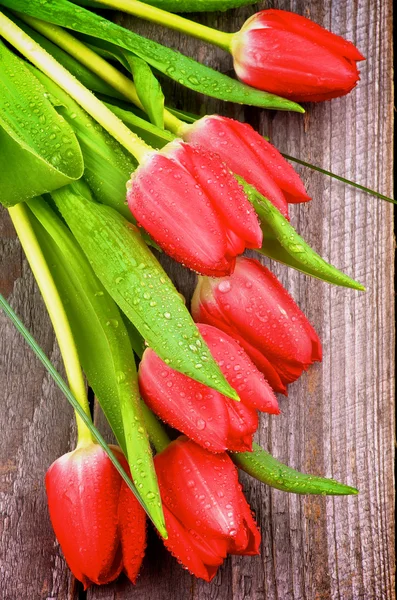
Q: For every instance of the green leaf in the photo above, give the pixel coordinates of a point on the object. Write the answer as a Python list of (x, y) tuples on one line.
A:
[(104, 349), (264, 467), (148, 89), (38, 148), (282, 243), (140, 287), (182, 69), (180, 6), (68, 394)]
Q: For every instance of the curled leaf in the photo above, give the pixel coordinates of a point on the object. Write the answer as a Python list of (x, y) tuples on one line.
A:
[(282, 243), (263, 466), (39, 151)]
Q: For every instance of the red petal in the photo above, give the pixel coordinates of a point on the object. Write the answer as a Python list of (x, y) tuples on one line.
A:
[(239, 370), (262, 312), (236, 143), (132, 524), (313, 72), (186, 550), (83, 493), (227, 196), (248, 539), (185, 404), (243, 422), (292, 56), (207, 311), (248, 154), (184, 223), (199, 487), (310, 31)]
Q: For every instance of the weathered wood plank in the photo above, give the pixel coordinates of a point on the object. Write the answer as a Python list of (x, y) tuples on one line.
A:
[(338, 419)]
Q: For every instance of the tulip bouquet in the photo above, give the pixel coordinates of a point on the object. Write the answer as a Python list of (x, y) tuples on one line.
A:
[(111, 175)]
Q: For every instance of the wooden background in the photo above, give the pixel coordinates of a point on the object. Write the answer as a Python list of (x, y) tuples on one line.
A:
[(338, 419)]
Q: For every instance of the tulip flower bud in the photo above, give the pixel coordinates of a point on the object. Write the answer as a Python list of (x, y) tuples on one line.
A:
[(98, 522), (253, 307), (209, 418), (206, 513), (287, 54), (193, 207), (249, 155)]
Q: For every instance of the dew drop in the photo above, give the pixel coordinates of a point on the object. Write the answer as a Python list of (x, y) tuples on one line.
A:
[(224, 286)]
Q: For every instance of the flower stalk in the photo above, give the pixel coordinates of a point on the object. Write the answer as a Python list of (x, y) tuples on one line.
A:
[(20, 217), (156, 431), (177, 23), (97, 65)]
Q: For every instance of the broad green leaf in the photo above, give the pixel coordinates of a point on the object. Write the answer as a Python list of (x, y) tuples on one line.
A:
[(182, 69), (264, 467), (39, 151), (180, 6), (107, 165), (104, 348), (148, 89), (70, 398), (282, 243), (139, 285)]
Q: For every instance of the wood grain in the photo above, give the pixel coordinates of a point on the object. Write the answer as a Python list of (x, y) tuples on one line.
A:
[(338, 420)]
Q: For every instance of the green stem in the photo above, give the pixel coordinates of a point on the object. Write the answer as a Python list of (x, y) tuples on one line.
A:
[(339, 178), (97, 65), (21, 220), (172, 21), (156, 431), (87, 100)]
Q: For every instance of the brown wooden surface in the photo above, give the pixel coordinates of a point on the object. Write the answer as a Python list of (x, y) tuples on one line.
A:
[(338, 419)]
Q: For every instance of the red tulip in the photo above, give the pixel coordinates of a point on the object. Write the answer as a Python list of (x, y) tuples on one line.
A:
[(286, 54), (206, 513), (252, 306), (249, 155), (193, 207), (206, 416), (99, 524)]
